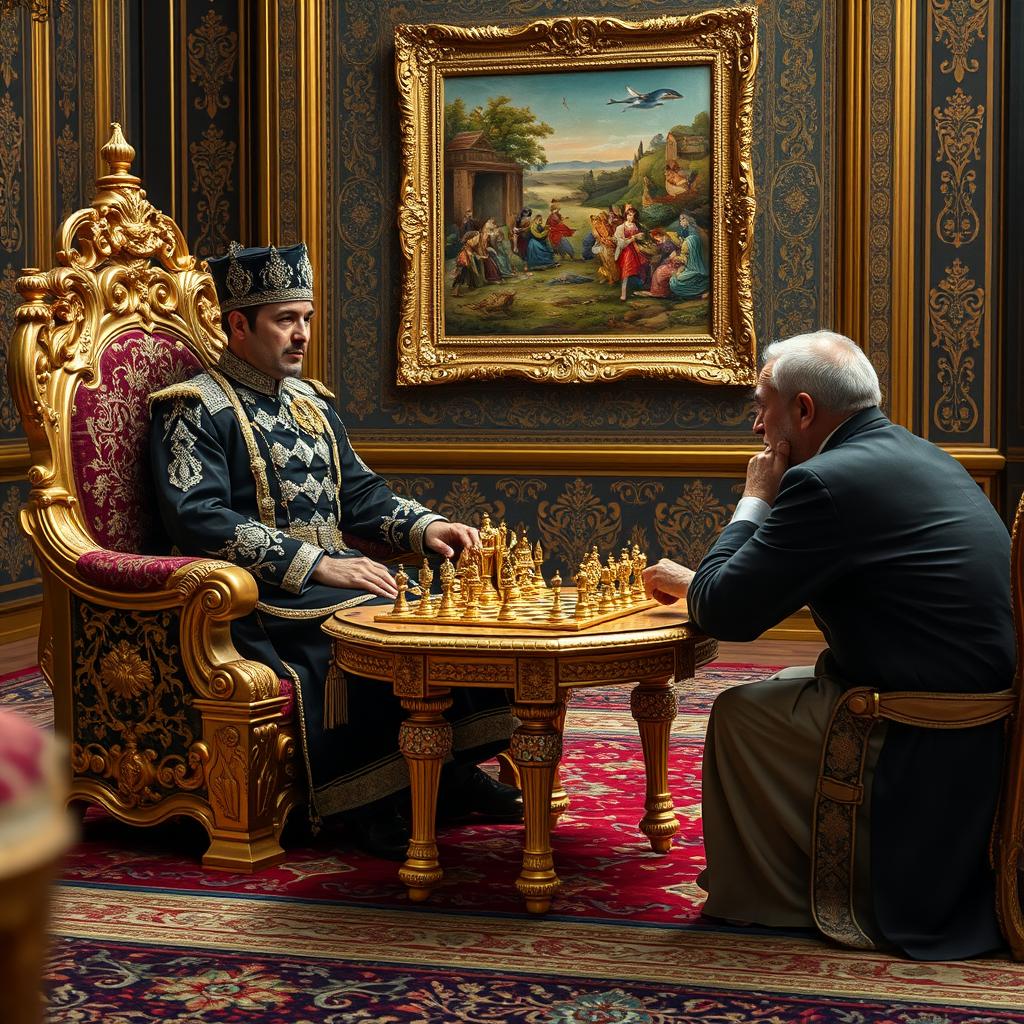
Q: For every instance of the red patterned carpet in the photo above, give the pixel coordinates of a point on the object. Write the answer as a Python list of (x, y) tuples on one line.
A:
[(144, 935)]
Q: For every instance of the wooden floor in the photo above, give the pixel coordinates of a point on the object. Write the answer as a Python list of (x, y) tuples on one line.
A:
[(23, 653)]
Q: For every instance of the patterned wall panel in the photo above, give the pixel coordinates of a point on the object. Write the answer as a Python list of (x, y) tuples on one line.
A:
[(961, 241), (794, 174), (74, 105), (674, 517), (15, 166), (212, 134), (19, 576)]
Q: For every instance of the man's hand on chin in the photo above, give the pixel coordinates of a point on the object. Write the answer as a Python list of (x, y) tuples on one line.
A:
[(667, 581), (764, 472), (444, 537)]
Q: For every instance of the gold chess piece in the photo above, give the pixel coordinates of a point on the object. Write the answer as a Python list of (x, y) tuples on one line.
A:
[(605, 604), (401, 606), (448, 608), (471, 592), (538, 564), (582, 594), (639, 561), (613, 569), (426, 577), (625, 572), (509, 592), (557, 612)]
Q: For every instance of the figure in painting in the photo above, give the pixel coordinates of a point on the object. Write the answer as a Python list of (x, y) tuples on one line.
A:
[(521, 232), (604, 248), (559, 233), (468, 272), (691, 280), (485, 254), (539, 254), (630, 260)]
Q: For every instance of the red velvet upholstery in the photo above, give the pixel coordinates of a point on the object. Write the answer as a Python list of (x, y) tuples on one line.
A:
[(109, 430), (120, 571), (288, 690)]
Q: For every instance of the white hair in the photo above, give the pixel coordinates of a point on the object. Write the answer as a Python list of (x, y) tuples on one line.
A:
[(828, 366)]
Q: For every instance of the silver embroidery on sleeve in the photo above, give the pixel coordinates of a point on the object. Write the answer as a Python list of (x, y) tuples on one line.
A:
[(297, 572), (418, 529), (405, 508), (251, 547), (184, 471)]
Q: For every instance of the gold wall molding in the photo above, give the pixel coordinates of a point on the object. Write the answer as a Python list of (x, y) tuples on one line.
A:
[(15, 459), (904, 337), (596, 460), (43, 151), (102, 42), (311, 60), (20, 619), (876, 272), (267, 171)]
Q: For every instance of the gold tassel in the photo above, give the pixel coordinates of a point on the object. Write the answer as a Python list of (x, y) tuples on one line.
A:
[(335, 697)]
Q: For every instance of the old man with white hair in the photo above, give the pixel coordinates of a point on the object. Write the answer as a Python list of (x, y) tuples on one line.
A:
[(903, 563)]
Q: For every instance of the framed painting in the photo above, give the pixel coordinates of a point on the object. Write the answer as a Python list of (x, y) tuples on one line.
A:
[(577, 202)]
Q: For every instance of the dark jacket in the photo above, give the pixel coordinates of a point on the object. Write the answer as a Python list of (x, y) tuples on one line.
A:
[(905, 567)]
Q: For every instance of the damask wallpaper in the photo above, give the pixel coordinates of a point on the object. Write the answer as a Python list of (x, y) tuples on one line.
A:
[(794, 155)]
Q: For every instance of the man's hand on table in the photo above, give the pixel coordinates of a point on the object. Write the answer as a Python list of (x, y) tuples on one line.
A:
[(667, 581), (355, 574)]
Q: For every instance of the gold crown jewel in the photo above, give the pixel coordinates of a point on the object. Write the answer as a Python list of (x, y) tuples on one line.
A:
[(239, 280), (276, 275), (304, 272)]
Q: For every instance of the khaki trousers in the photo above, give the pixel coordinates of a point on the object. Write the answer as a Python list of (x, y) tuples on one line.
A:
[(760, 772)]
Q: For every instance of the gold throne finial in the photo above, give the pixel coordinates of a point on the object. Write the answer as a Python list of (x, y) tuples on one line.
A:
[(118, 156)]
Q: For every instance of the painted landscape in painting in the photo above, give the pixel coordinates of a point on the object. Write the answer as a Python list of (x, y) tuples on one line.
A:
[(578, 203)]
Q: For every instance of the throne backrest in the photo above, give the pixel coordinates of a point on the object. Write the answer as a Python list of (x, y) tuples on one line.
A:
[(126, 312), (109, 437)]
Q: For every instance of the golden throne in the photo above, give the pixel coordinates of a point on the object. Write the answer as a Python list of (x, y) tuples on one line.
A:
[(162, 715)]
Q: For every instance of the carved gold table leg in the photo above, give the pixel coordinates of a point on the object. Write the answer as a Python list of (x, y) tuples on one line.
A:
[(536, 747), (559, 797), (425, 739), (653, 705)]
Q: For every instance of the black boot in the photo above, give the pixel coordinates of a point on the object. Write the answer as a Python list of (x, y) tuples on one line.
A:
[(380, 829), (466, 789)]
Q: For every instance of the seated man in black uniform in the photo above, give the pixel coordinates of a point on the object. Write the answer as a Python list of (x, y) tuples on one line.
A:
[(904, 564), (253, 465)]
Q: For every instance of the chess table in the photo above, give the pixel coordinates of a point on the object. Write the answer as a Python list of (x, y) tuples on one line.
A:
[(652, 647)]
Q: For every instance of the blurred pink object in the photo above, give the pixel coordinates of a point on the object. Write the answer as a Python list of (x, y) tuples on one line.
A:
[(35, 830)]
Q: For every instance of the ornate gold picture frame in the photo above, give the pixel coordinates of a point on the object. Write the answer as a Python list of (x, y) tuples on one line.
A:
[(577, 201)]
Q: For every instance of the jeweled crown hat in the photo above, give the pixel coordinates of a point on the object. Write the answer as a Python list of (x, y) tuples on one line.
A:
[(252, 277)]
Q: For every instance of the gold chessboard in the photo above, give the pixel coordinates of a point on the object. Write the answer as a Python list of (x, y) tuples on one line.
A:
[(535, 614), (501, 583)]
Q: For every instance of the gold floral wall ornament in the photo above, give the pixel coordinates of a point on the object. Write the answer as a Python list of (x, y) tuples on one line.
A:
[(214, 162), (955, 310), (958, 127), (576, 521), (211, 59), (12, 135), (957, 24), (465, 503), (687, 527), (493, 229)]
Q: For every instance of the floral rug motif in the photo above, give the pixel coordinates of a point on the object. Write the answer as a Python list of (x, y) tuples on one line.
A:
[(144, 936)]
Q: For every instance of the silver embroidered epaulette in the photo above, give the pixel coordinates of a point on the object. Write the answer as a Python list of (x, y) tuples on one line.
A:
[(307, 384), (203, 387)]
